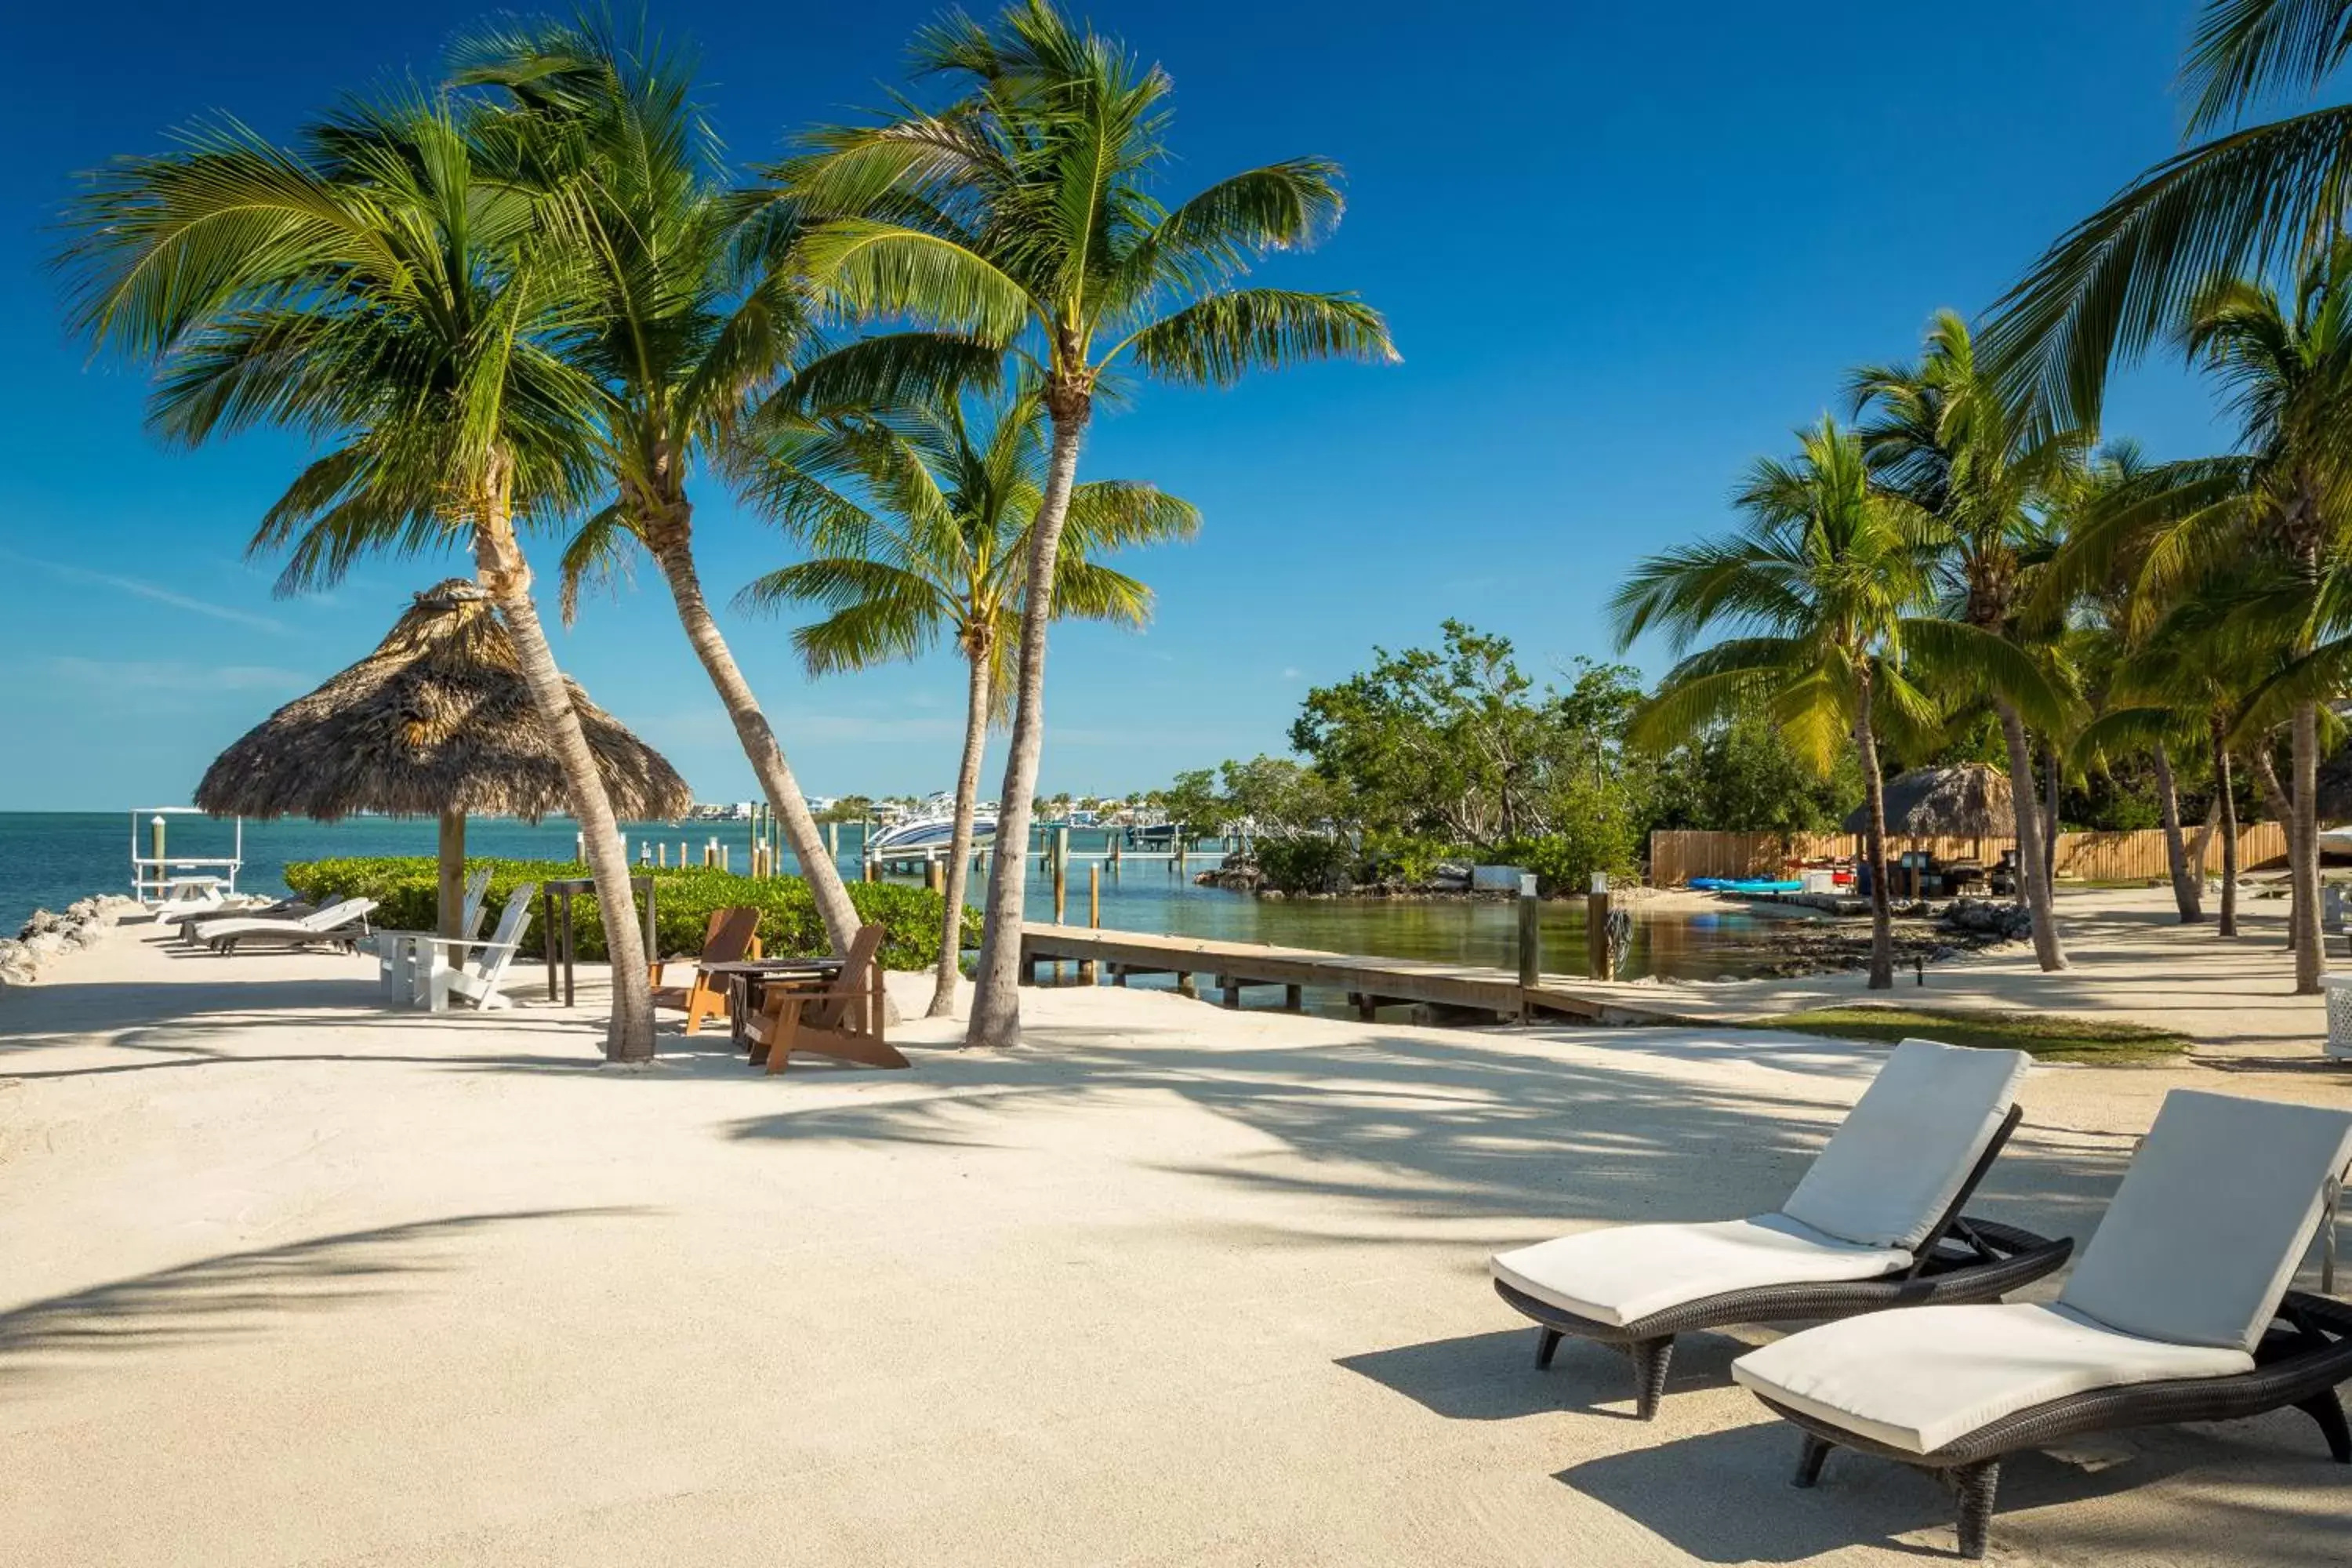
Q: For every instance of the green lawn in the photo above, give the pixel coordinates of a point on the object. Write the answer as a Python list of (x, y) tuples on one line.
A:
[(2049, 1038)]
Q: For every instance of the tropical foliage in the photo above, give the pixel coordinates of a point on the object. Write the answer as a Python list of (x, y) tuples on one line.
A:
[(684, 897)]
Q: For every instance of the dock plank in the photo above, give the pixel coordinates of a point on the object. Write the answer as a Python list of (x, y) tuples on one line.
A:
[(1429, 981)]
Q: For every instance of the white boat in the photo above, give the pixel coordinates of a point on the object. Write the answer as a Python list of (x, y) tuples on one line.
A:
[(930, 829)]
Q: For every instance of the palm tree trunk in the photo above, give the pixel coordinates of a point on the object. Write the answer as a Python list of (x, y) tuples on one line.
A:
[(975, 741), (2225, 797), (2310, 949), (1873, 792), (758, 742), (2188, 890), (2032, 855), (2050, 813), (629, 1032), (2282, 810), (996, 1001)]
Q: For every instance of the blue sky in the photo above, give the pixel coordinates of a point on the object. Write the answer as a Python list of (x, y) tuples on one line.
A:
[(1622, 253)]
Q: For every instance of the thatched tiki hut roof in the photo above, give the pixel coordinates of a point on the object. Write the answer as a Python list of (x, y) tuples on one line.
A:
[(1967, 799), (438, 722)]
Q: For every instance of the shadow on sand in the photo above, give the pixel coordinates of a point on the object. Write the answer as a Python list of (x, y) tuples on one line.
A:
[(241, 1292)]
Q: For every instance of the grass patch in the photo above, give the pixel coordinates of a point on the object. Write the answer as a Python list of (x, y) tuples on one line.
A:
[(2047, 1036)]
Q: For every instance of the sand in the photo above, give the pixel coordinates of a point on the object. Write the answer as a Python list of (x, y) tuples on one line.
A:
[(292, 1280)]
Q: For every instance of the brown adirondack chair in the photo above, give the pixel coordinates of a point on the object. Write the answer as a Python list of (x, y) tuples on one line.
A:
[(841, 1019), (732, 935)]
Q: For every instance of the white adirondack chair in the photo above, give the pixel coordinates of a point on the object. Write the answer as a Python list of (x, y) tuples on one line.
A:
[(477, 967), (478, 893)]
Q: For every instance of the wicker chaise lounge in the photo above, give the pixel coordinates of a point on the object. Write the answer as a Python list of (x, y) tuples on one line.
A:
[(2179, 1311), (1875, 1223)]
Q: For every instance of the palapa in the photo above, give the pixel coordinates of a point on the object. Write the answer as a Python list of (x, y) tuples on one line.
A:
[(438, 722), (1966, 800)]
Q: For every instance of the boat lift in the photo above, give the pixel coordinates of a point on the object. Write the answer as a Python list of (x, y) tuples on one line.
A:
[(159, 877)]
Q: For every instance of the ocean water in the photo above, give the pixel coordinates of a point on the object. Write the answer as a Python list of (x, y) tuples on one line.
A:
[(47, 860)]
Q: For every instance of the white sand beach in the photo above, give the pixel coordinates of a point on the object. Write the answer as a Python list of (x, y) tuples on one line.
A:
[(292, 1280)]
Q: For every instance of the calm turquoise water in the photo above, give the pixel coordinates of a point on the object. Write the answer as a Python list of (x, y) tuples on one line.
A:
[(47, 860)]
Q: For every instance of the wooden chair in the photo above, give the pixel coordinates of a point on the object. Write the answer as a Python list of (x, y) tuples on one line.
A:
[(842, 1019), (732, 935)]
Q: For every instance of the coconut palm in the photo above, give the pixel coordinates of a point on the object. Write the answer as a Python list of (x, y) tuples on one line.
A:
[(1941, 434), (2198, 679), (2249, 199), (920, 530), (692, 314), (379, 286), (2282, 500), (1819, 588), (1022, 218)]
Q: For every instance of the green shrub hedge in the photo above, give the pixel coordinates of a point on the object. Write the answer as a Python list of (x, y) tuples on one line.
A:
[(407, 891)]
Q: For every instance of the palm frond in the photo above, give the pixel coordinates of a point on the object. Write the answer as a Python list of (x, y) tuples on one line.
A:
[(1215, 341)]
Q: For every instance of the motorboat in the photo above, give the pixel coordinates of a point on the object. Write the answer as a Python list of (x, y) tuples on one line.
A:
[(930, 828)]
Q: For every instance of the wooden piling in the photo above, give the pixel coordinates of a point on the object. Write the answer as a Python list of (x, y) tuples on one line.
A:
[(1292, 998), (1233, 990), (934, 877), (1530, 936), (1599, 959), (1061, 857)]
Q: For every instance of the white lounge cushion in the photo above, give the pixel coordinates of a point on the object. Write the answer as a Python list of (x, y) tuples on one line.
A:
[(1903, 1154), (1922, 1378), (2217, 1210), (1628, 1272)]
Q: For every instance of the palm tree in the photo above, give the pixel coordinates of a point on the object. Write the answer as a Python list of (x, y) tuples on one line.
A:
[(2195, 679), (1022, 217), (2284, 498), (1818, 587), (1941, 434), (2249, 200), (2103, 632), (921, 530), (379, 286), (693, 313)]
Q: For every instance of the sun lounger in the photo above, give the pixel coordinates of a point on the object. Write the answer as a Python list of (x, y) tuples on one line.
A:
[(842, 1019), (2179, 1310), (732, 935), (283, 910), (330, 926), (1875, 1223)]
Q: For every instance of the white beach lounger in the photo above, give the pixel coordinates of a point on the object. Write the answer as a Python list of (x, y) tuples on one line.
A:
[(329, 926), (2179, 1311), (1875, 1223), (283, 910)]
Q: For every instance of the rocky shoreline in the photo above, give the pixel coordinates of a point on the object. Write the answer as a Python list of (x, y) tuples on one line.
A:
[(49, 935)]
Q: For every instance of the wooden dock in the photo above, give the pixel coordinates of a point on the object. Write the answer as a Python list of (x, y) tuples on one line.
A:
[(1229, 967)]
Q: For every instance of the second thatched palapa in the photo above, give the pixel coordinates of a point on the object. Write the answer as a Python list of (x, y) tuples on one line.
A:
[(1967, 800), (438, 722)]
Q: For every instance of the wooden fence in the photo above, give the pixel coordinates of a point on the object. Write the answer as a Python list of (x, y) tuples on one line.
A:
[(1676, 857)]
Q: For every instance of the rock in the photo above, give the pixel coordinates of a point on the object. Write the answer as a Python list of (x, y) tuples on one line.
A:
[(42, 943), (42, 921), (1985, 916)]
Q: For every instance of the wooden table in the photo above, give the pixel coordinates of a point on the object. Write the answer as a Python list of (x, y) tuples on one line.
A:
[(555, 918), (748, 981)]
